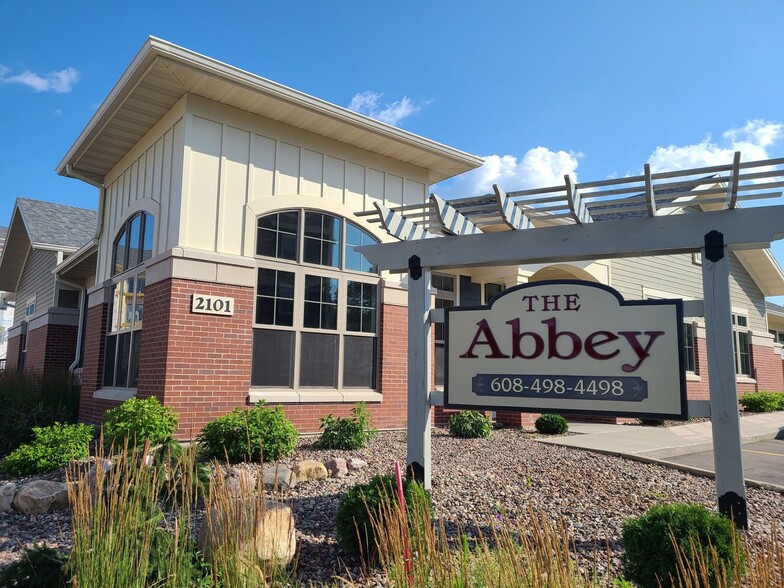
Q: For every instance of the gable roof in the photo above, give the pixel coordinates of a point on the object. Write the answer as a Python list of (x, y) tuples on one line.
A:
[(42, 225), (162, 73)]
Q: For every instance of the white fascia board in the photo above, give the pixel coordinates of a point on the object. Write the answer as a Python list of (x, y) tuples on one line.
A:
[(76, 257), (154, 48)]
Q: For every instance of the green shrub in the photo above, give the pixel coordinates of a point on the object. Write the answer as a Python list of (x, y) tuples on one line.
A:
[(53, 447), (652, 422), (39, 567), (32, 400), (762, 401), (353, 525), (649, 555), (352, 432), (470, 424), (249, 435), (138, 420), (551, 424)]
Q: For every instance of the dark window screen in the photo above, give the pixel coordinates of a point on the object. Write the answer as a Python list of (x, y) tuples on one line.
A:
[(68, 299), (273, 358), (359, 367), (438, 361), (470, 293), (318, 360), (109, 359)]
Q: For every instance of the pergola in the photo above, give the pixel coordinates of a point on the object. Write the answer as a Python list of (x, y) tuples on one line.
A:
[(641, 215)]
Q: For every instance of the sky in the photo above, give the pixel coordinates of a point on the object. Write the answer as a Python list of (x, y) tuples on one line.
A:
[(537, 88)]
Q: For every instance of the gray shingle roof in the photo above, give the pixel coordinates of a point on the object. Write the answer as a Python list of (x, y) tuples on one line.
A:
[(61, 225), (772, 307)]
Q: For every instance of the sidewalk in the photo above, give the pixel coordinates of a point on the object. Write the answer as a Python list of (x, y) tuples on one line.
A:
[(659, 443)]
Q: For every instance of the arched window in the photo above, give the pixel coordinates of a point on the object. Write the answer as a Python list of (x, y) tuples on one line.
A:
[(316, 306), (132, 247), (133, 244)]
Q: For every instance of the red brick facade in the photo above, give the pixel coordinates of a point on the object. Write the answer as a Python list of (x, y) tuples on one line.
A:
[(50, 348), (200, 364), (12, 353)]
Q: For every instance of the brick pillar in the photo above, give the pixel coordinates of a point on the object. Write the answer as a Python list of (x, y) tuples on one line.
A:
[(35, 359), (12, 353), (91, 410), (60, 350)]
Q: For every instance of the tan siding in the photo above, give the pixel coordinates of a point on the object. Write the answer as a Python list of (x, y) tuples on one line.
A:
[(36, 280), (676, 274)]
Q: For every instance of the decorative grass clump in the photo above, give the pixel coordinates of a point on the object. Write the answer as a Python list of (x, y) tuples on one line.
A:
[(256, 434), (551, 424), (470, 424)]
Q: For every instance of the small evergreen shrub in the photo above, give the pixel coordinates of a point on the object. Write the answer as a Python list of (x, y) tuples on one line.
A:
[(551, 424), (762, 401), (249, 435), (470, 424), (138, 420), (649, 555), (53, 447), (39, 567), (353, 521), (352, 432)]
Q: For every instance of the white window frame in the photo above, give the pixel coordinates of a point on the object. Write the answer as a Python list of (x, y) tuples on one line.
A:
[(736, 330), (300, 269)]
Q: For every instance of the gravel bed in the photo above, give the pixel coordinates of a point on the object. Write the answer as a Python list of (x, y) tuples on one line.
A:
[(473, 479)]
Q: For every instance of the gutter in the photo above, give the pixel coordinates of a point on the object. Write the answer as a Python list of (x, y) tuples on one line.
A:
[(80, 328), (98, 182)]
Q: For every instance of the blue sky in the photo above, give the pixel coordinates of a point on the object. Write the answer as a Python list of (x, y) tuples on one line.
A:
[(538, 88)]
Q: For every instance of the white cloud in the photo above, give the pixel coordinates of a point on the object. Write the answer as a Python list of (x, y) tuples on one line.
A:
[(59, 81), (752, 140), (392, 113), (539, 167)]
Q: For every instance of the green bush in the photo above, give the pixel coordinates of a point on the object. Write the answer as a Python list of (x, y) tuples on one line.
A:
[(53, 447), (32, 400), (649, 555), (762, 401), (352, 432), (138, 420), (353, 519), (470, 424), (551, 424), (249, 435), (39, 567)]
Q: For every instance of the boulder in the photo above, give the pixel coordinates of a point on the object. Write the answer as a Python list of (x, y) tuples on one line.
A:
[(7, 492), (101, 466), (260, 527), (337, 467), (241, 482), (278, 477), (41, 496), (310, 469), (354, 464)]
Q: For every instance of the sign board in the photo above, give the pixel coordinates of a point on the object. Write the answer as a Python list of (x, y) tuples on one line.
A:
[(208, 304), (567, 346)]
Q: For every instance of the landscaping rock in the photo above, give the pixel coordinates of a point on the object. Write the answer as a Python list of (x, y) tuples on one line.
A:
[(41, 496), (7, 493), (263, 527), (310, 469), (241, 482), (337, 467), (102, 465), (354, 464), (278, 477)]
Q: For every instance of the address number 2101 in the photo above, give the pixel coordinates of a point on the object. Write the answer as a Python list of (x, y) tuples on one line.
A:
[(208, 304)]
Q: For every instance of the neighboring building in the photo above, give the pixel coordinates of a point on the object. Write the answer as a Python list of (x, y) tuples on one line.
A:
[(6, 310), (223, 271), (43, 334)]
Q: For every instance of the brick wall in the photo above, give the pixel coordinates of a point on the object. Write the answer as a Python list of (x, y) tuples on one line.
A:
[(12, 353), (35, 359), (91, 410), (60, 347)]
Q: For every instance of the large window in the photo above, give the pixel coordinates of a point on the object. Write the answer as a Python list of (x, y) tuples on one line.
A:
[(134, 242), (132, 247), (316, 313), (740, 343)]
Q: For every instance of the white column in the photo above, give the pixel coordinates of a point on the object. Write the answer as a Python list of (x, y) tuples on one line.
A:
[(419, 362), (725, 419)]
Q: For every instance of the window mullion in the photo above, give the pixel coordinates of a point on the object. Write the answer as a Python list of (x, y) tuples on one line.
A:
[(299, 313), (342, 312)]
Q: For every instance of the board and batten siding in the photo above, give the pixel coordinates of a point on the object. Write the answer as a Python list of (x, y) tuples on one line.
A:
[(678, 275), (148, 178), (233, 158), (36, 280)]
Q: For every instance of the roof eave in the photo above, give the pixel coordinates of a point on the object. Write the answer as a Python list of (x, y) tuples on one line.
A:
[(455, 161)]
